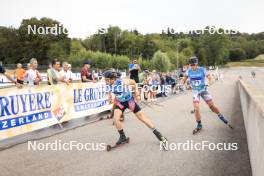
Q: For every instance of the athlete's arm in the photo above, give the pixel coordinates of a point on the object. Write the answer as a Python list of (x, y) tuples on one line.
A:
[(12, 80), (183, 80), (110, 98), (210, 79), (38, 78), (9, 77)]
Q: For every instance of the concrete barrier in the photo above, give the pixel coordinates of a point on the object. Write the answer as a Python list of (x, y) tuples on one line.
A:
[(252, 102)]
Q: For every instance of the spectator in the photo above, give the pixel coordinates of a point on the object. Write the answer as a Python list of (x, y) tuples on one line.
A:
[(163, 84), (66, 72), (134, 69), (28, 66), (25, 78), (146, 84), (154, 81), (54, 75), (86, 75), (19, 73), (95, 75), (70, 67), (32, 75), (49, 73)]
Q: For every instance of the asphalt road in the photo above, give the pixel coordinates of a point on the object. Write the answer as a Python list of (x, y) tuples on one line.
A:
[(142, 156)]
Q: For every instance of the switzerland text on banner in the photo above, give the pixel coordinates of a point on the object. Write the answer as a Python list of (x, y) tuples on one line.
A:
[(28, 109)]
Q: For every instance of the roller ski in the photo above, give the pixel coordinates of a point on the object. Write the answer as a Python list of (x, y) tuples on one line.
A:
[(121, 141), (222, 118), (198, 128), (107, 117)]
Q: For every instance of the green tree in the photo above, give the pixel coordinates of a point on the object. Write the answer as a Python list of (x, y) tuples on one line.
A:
[(215, 48), (149, 47), (42, 46), (161, 61), (10, 45)]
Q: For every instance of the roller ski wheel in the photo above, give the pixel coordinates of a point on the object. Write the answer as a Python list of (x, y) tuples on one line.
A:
[(164, 142), (230, 126), (110, 116), (110, 147)]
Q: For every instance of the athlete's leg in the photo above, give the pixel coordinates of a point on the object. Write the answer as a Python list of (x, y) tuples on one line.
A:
[(197, 114), (117, 116), (196, 104), (141, 116), (208, 99), (216, 110), (212, 106)]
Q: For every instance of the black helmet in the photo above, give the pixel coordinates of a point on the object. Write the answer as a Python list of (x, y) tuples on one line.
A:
[(111, 74), (193, 60)]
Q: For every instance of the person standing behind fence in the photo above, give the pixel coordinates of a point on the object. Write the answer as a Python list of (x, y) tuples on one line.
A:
[(49, 73), (25, 78), (32, 75), (134, 69), (154, 81), (65, 72), (86, 74), (54, 76), (19, 73), (163, 84)]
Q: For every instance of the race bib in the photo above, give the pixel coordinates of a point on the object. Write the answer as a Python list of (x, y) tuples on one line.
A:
[(196, 83)]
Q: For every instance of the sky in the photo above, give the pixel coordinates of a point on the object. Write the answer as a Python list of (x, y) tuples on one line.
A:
[(83, 17)]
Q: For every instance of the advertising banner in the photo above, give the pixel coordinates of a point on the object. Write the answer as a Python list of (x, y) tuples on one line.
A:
[(31, 108)]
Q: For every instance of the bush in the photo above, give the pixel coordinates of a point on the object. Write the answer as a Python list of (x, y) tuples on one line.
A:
[(99, 60), (237, 54), (161, 61)]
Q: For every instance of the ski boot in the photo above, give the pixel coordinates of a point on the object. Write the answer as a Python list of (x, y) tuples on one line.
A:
[(222, 118), (198, 128), (122, 139), (161, 138)]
